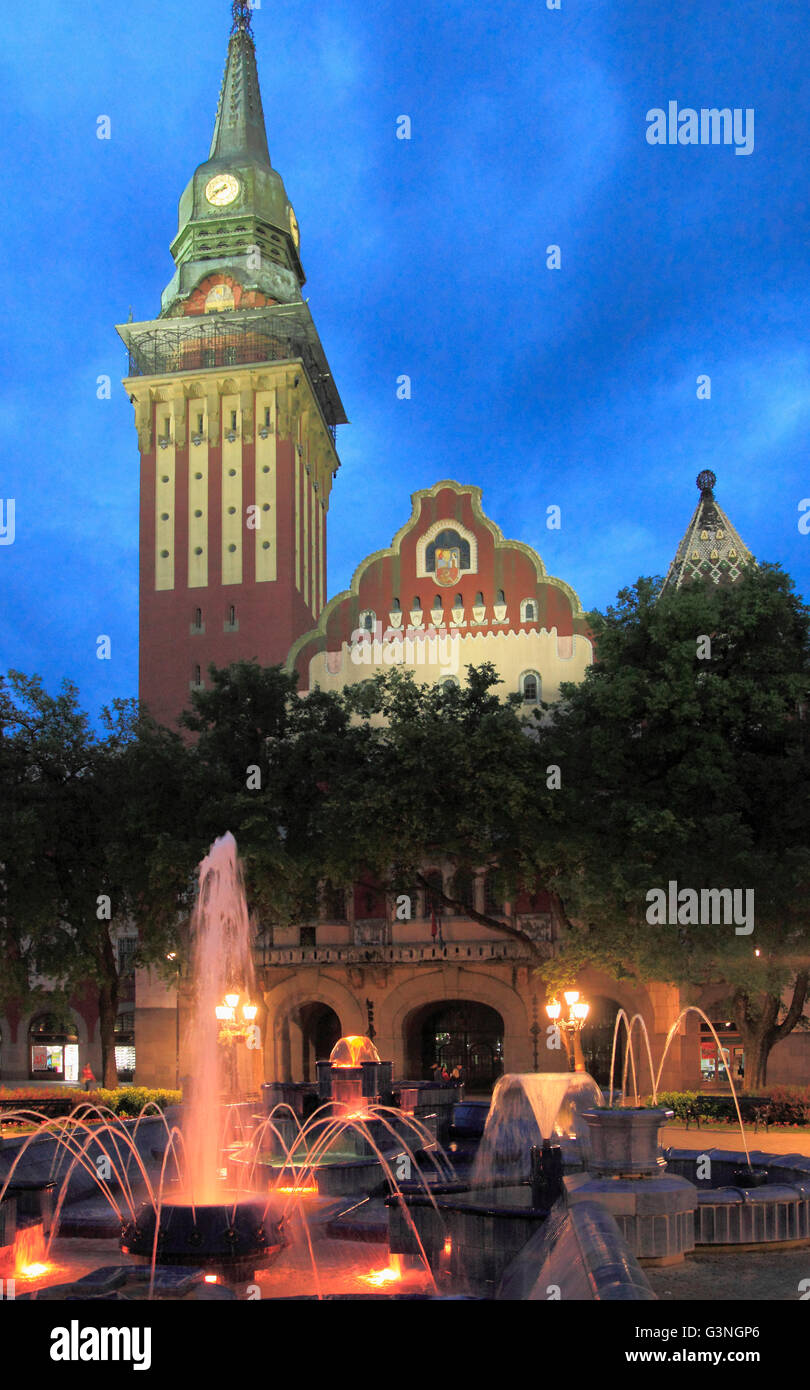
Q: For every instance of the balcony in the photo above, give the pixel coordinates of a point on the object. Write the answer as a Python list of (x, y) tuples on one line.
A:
[(400, 953), (197, 343)]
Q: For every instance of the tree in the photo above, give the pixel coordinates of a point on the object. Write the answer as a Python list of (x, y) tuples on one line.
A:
[(368, 783), (684, 757), (93, 833)]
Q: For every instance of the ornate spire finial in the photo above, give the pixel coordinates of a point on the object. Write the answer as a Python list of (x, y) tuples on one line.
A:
[(705, 481), (241, 11)]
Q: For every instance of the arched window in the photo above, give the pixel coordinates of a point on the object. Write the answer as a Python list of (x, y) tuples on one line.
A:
[(198, 617), (395, 606), (493, 892), (479, 600), (449, 682), (231, 615), (530, 687), (197, 676), (447, 540), (433, 892), (417, 603), (334, 897), (528, 610), (368, 619), (501, 596), (464, 890)]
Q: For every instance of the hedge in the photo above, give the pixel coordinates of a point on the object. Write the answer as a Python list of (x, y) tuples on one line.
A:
[(784, 1105)]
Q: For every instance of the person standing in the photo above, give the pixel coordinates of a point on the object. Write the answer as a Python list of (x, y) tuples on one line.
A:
[(87, 1077)]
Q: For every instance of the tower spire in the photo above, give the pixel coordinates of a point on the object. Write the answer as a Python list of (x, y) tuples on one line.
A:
[(239, 126), (241, 11)]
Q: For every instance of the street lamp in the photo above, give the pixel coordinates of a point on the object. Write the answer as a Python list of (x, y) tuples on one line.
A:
[(570, 1027), (172, 956), (232, 1027)]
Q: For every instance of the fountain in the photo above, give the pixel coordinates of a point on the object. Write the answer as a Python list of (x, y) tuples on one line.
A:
[(471, 1231), (290, 1200), (201, 1223)]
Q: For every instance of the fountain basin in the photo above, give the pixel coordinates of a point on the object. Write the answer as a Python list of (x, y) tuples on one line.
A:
[(469, 1235), (624, 1142), (235, 1237)]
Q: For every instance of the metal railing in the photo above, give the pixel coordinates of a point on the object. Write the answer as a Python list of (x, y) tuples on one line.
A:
[(179, 347), (401, 953)]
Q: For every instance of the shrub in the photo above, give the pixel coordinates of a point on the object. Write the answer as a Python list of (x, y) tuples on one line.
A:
[(783, 1105), (126, 1100)]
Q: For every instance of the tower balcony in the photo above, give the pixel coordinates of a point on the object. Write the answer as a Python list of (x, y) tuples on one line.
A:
[(167, 347)]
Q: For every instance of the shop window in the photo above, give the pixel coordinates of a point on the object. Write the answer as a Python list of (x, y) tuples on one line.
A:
[(53, 1046)]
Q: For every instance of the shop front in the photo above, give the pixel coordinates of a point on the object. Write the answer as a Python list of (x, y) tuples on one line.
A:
[(717, 1064), (53, 1050)]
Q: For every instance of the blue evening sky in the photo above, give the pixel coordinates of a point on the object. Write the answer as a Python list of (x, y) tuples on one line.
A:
[(574, 387)]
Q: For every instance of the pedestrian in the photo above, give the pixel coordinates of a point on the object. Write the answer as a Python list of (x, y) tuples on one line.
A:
[(88, 1077)]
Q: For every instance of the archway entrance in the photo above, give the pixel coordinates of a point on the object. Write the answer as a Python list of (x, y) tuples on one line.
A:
[(320, 1030), (597, 1041), (456, 1033)]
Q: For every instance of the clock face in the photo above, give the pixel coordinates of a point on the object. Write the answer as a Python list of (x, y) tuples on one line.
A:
[(221, 190), (294, 229)]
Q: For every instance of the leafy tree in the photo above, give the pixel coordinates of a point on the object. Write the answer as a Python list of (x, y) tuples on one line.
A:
[(684, 756), (93, 834), (364, 784)]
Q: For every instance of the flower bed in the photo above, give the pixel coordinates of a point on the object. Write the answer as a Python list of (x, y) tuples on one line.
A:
[(54, 1101)]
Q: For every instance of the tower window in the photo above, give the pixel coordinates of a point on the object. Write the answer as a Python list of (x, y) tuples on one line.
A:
[(395, 606), (197, 676), (267, 416), (417, 603), (198, 617), (199, 424), (479, 600), (231, 615), (501, 596), (233, 418), (528, 611)]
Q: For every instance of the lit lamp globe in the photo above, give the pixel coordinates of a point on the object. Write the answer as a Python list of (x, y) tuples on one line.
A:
[(352, 1050)]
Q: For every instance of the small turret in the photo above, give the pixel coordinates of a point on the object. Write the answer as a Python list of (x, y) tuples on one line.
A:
[(711, 549)]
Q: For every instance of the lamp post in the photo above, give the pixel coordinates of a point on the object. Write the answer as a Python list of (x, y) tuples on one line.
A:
[(172, 956), (232, 1028), (570, 1027)]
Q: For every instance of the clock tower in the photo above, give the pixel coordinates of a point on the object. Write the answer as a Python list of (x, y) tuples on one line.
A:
[(235, 410)]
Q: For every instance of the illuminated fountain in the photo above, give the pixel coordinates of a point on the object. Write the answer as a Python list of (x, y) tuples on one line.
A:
[(471, 1231), (201, 1222)]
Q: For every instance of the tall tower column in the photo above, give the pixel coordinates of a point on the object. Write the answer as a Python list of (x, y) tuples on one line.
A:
[(235, 409)]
